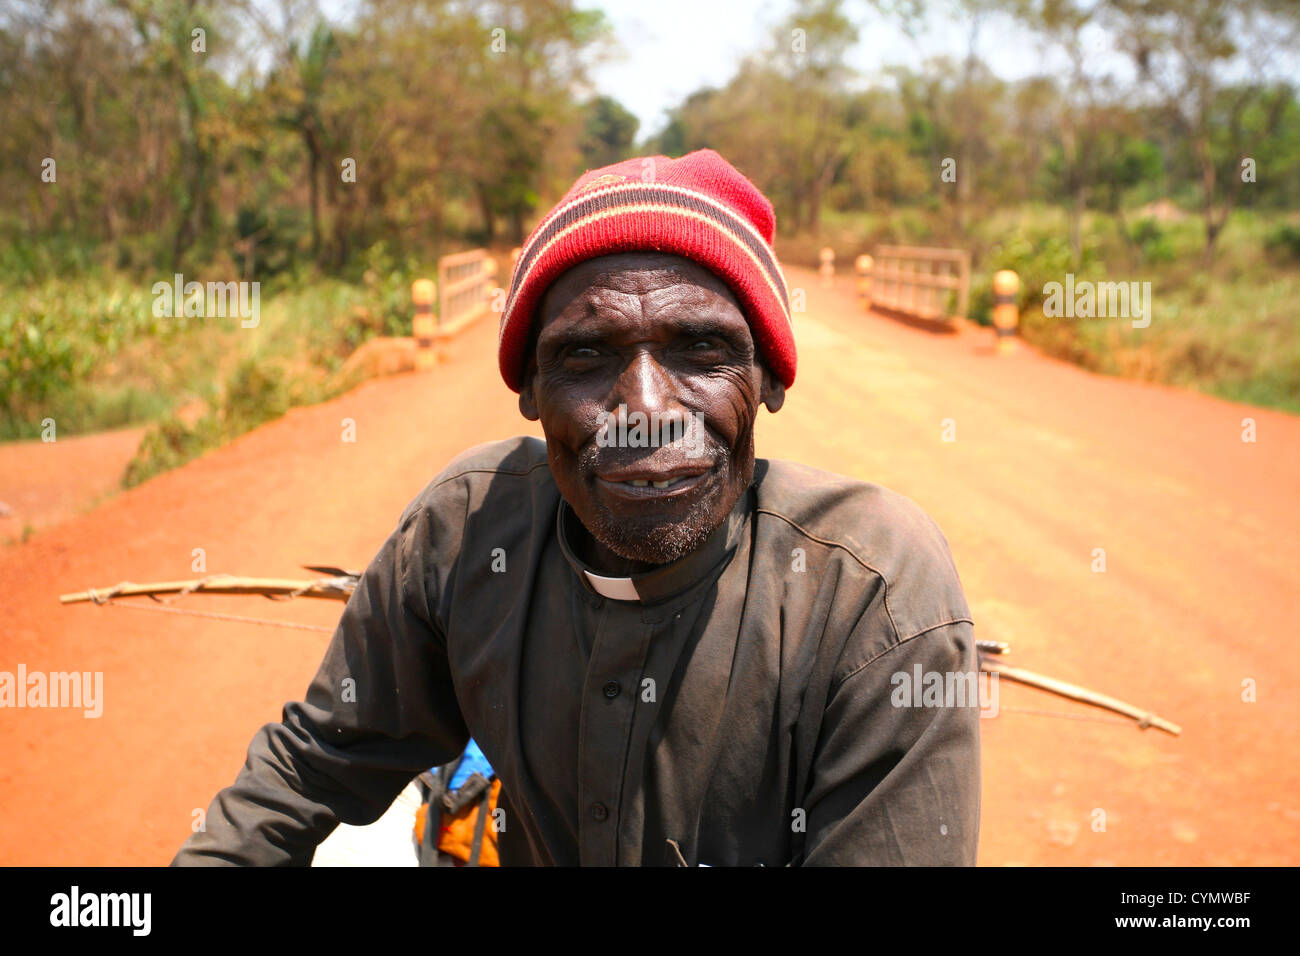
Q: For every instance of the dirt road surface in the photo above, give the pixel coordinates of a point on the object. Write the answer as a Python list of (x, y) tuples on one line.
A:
[(43, 483), (1193, 615)]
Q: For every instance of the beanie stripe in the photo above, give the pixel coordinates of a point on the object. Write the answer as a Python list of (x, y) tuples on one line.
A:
[(650, 197), (778, 292), (599, 187)]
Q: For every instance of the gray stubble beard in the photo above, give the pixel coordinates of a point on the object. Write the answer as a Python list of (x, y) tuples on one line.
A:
[(672, 540)]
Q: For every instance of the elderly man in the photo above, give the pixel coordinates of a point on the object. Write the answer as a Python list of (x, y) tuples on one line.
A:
[(671, 653)]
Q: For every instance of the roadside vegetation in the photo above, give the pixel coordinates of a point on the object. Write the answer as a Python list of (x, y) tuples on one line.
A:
[(1231, 330), (89, 353)]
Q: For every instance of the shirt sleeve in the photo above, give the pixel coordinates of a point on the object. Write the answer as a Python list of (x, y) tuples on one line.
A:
[(896, 774), (380, 710)]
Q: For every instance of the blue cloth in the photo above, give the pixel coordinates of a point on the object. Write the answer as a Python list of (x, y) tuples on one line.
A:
[(474, 762)]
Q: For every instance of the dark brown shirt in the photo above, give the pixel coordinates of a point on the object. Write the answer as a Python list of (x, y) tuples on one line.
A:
[(745, 706)]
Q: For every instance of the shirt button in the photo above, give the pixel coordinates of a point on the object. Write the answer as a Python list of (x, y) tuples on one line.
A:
[(613, 689), (599, 812)]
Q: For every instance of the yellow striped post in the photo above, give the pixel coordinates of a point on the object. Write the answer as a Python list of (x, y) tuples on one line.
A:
[(864, 264), (827, 269), (423, 325), (1006, 310)]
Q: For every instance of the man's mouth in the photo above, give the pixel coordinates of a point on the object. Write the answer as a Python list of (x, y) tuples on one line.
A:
[(643, 483)]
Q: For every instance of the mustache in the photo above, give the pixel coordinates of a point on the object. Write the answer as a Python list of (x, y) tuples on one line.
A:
[(619, 444)]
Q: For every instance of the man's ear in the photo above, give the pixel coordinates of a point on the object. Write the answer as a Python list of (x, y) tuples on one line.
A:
[(773, 393), (527, 397)]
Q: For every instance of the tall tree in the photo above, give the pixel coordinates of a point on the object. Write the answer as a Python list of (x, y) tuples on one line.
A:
[(609, 132), (1185, 51), (173, 49)]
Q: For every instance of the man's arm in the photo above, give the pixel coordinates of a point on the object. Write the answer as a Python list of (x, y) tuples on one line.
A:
[(380, 710), (894, 783)]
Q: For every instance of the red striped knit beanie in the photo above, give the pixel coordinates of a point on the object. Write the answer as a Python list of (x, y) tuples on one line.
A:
[(697, 206)]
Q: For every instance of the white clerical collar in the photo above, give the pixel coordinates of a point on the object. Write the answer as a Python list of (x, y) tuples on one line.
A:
[(619, 589)]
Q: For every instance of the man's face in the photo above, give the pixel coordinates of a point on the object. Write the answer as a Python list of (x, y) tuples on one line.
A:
[(655, 340)]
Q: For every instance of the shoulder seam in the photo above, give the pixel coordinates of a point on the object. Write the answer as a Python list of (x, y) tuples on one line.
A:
[(491, 471), (412, 511), (897, 644), (845, 548)]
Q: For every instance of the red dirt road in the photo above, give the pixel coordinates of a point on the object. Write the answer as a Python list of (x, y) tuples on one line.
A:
[(44, 483), (1200, 593)]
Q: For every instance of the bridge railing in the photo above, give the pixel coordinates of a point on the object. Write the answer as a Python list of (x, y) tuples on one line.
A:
[(465, 283), (924, 282), (465, 290)]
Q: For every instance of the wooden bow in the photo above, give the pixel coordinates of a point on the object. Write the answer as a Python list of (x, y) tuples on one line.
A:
[(1144, 718), (338, 584)]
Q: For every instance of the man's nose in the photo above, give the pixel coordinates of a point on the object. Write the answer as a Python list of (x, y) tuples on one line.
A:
[(645, 386)]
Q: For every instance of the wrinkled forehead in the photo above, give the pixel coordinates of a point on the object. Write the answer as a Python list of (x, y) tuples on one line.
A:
[(632, 273)]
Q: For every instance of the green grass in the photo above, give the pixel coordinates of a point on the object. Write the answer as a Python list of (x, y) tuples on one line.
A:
[(79, 343), (89, 353), (304, 334), (307, 328), (255, 393), (1232, 331)]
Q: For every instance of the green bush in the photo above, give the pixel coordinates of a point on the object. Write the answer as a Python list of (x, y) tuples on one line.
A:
[(58, 336), (255, 393), (1152, 241), (169, 444), (1284, 241), (1037, 259), (90, 353)]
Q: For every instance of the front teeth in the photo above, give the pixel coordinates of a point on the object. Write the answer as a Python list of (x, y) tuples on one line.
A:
[(642, 483)]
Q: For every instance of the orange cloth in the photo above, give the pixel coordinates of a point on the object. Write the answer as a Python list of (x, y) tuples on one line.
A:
[(456, 833)]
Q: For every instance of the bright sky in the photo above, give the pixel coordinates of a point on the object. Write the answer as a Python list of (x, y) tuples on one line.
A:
[(670, 48)]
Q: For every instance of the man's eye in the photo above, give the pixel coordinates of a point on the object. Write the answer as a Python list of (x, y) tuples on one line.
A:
[(583, 351), (702, 345)]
